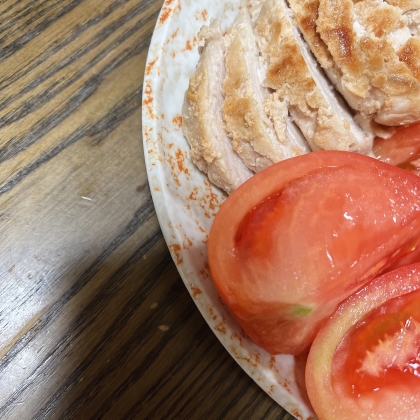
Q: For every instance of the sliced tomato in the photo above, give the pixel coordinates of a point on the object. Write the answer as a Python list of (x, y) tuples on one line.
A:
[(296, 239), (402, 149), (365, 361)]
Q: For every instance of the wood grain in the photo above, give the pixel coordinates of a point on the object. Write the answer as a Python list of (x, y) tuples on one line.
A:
[(95, 322)]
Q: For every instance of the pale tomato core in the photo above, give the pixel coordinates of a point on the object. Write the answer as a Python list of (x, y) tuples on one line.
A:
[(383, 349)]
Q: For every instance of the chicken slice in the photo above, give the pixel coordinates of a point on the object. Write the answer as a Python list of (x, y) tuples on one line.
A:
[(256, 120), (375, 56), (405, 5), (294, 74), (284, 126), (306, 15), (211, 148)]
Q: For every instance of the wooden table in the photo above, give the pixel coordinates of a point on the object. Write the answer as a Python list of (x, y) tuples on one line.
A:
[(95, 322)]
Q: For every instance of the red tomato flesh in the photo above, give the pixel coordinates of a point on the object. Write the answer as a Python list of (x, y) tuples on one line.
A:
[(365, 361), (402, 149), (382, 350), (296, 239)]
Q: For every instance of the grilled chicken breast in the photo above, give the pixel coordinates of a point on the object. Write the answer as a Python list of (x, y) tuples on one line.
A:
[(306, 75), (203, 126), (255, 119), (294, 73), (370, 50)]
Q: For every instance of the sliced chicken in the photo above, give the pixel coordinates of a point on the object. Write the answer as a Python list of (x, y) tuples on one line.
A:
[(370, 50), (256, 120), (306, 15), (294, 74), (211, 148), (405, 5)]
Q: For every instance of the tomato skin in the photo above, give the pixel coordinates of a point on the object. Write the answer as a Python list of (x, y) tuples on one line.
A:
[(337, 220), (327, 380)]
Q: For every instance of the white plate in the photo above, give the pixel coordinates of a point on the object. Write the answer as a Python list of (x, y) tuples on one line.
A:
[(186, 202)]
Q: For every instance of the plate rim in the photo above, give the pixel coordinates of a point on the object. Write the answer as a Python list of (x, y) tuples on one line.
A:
[(157, 188)]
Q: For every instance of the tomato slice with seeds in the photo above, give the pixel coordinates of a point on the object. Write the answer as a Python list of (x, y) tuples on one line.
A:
[(365, 361), (296, 239)]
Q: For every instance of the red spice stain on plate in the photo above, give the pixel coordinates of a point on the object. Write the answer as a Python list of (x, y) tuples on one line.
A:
[(271, 390), (189, 45), (221, 326), (205, 273), (211, 198), (177, 165), (272, 364), (286, 386), (235, 336), (175, 250), (297, 414), (196, 291), (148, 100), (208, 200), (148, 92), (252, 359), (201, 15), (180, 158), (167, 11), (201, 229), (150, 65), (171, 160), (146, 134), (211, 313), (178, 122), (187, 242), (152, 147), (193, 195)]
